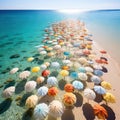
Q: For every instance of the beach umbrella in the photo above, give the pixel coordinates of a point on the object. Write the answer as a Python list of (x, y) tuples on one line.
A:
[(95, 66), (82, 69), (43, 52), (30, 86), (41, 111), (99, 90), (40, 80), (66, 61), (50, 54), (108, 97), (52, 91), (65, 67), (49, 49), (74, 75), (57, 47), (24, 74), (103, 52), (31, 101), (86, 52), (55, 65), (8, 92), (77, 85), (14, 70), (35, 69), (98, 72), (89, 69), (91, 56), (52, 81), (42, 91), (56, 108), (47, 64), (100, 112), (106, 85), (89, 94), (69, 99), (95, 79), (69, 87), (82, 60), (30, 59), (43, 67), (82, 76), (45, 73), (64, 73), (41, 49), (66, 53)]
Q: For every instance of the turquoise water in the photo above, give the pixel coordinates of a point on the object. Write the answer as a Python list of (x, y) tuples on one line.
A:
[(21, 31)]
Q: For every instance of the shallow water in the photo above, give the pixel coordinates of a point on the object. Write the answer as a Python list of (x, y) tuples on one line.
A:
[(21, 31)]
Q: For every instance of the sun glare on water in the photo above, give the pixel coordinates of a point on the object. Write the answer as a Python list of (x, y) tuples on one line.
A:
[(71, 11)]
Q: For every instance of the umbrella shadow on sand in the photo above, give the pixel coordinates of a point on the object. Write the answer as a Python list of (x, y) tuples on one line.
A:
[(61, 84), (68, 115), (54, 73), (28, 114), (79, 100), (12, 83), (20, 86), (24, 98), (46, 99), (99, 98), (5, 105), (111, 114), (88, 111)]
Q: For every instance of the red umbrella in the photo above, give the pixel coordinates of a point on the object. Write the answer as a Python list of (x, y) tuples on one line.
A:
[(52, 91), (45, 73), (103, 51), (69, 88)]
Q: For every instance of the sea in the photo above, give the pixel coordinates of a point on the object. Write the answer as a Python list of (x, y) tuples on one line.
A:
[(21, 31)]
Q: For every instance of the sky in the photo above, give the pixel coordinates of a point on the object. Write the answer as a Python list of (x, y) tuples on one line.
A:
[(60, 4)]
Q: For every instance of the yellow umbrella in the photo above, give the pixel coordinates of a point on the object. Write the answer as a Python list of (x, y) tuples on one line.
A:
[(35, 69), (108, 97), (49, 48), (30, 59), (106, 85), (64, 73)]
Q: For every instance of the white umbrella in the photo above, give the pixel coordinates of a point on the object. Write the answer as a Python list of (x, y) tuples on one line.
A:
[(42, 91), (52, 81), (24, 74), (82, 76), (55, 65)]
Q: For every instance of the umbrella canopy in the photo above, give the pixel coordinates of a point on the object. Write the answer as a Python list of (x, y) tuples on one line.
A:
[(30, 86), (64, 73), (82, 60), (43, 66), (106, 85), (66, 53), (14, 70), (31, 101), (108, 97), (98, 73), (45, 73), (69, 99), (36, 69), (56, 108), (55, 65), (69, 88), (52, 91), (74, 75), (82, 69), (41, 111), (30, 59), (77, 85), (66, 61), (24, 74), (103, 51), (42, 91), (100, 112), (57, 47), (47, 64), (82, 76), (65, 67), (52, 81), (99, 90), (40, 80), (43, 52), (95, 79), (89, 94), (8, 92), (89, 69)]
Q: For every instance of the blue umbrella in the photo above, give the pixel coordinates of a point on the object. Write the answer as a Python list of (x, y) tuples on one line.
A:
[(82, 69), (42, 91), (99, 90), (74, 75), (76, 44), (98, 72), (41, 111), (77, 85), (66, 53), (95, 79), (52, 81)]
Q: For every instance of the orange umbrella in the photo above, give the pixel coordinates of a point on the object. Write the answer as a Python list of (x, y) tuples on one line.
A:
[(69, 99), (100, 112), (103, 51), (69, 88), (45, 73), (52, 91), (65, 67)]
